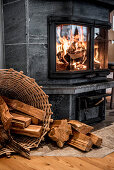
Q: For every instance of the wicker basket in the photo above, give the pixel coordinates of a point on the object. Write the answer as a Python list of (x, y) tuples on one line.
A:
[(16, 85)]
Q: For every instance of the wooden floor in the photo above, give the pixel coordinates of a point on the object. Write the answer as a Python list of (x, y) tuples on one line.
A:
[(57, 163)]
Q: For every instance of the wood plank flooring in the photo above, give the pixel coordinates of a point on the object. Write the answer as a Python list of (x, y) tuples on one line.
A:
[(57, 163)]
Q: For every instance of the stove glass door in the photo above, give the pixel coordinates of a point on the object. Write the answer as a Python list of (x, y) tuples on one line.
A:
[(72, 47), (100, 48)]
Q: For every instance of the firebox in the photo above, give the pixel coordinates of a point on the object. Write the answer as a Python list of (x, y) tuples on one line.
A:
[(77, 47)]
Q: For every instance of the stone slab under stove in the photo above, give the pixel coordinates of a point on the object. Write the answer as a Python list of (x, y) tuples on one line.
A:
[(73, 101)]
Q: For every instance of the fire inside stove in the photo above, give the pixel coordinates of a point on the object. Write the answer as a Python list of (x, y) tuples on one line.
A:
[(73, 48)]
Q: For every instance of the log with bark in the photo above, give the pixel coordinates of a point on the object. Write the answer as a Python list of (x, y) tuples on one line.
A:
[(80, 127), (60, 132), (25, 108), (80, 141)]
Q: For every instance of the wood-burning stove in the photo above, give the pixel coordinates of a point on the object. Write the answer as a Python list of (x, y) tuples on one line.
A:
[(77, 47), (78, 61), (79, 29)]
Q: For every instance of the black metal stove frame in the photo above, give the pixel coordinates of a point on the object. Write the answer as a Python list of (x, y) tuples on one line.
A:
[(52, 21)]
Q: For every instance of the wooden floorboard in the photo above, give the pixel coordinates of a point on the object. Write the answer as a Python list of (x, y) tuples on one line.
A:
[(57, 163)]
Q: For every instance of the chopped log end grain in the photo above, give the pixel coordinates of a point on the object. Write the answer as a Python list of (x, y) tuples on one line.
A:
[(80, 144), (80, 141), (97, 141), (60, 132)]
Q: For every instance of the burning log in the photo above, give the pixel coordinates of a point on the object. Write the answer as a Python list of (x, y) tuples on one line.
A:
[(25, 108), (31, 130), (60, 132), (78, 54), (71, 49), (80, 141), (5, 116), (80, 127)]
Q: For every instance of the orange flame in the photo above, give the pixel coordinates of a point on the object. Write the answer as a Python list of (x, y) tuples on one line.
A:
[(75, 46)]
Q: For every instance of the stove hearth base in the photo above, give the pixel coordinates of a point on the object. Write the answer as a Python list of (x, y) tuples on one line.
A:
[(85, 103)]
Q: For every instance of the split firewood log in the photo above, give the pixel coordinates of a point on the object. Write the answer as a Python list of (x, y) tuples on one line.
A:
[(20, 121), (25, 108), (18, 124), (97, 141), (80, 141), (34, 121), (31, 130), (80, 127), (60, 132), (5, 116)]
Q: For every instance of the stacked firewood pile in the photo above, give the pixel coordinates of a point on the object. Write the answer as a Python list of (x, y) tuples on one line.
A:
[(74, 133), (19, 118)]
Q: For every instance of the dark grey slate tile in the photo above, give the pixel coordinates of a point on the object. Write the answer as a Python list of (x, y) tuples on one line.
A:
[(90, 10), (15, 57), (15, 22), (60, 106), (9, 1), (38, 62), (38, 12)]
